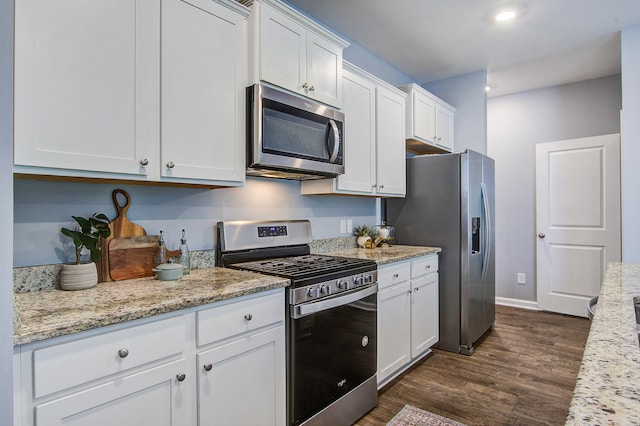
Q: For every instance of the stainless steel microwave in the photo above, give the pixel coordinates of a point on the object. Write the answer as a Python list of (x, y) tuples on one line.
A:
[(292, 137)]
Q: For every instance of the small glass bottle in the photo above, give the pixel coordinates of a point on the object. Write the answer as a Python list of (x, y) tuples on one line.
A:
[(183, 258), (161, 254)]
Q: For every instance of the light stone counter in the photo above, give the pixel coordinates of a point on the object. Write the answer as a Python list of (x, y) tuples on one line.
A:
[(608, 388), (51, 313), (384, 255)]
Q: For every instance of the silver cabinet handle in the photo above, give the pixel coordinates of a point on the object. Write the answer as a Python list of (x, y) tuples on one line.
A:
[(123, 353), (207, 367), (181, 377), (248, 317), (144, 162), (541, 235), (170, 165)]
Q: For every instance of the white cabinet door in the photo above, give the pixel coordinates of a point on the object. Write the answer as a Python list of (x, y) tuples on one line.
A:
[(282, 50), (86, 78), (359, 96), (444, 127), (152, 397), (242, 382), (324, 70), (394, 340), (424, 313), (390, 145), (424, 114), (203, 45)]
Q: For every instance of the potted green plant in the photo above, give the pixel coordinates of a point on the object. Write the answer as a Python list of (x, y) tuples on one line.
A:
[(363, 233), (87, 235)]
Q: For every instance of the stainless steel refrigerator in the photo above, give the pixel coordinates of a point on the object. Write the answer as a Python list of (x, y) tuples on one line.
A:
[(450, 204)]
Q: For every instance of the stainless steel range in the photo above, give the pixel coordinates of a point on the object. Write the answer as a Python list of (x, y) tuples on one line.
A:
[(332, 318)]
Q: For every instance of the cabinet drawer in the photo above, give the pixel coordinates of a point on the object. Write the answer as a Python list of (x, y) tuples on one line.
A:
[(425, 265), (228, 320), (73, 363), (394, 273)]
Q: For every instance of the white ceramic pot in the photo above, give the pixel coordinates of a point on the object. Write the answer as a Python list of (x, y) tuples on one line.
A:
[(78, 277), (362, 240), (168, 271)]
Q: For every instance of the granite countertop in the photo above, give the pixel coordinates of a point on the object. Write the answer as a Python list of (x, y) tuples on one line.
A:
[(51, 313), (384, 255), (608, 388)]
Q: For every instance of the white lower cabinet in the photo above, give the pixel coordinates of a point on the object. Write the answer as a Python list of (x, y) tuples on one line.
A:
[(152, 397), (407, 314), (248, 370), (162, 371)]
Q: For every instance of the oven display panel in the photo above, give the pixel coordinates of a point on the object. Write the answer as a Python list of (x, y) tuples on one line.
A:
[(272, 231)]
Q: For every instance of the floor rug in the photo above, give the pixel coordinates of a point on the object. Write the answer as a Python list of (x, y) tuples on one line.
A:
[(412, 416)]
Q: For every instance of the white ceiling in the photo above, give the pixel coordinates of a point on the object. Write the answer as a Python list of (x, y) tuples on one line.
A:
[(551, 42)]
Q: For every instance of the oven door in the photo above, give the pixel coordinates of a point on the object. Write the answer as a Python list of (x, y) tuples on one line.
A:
[(332, 350)]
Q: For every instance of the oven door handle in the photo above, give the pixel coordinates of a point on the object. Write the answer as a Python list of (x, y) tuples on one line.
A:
[(303, 310)]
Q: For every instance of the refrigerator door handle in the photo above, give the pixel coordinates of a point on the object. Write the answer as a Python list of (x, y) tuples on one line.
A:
[(487, 224)]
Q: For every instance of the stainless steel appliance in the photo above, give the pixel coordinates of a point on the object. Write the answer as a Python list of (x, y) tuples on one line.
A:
[(292, 137), (331, 308), (450, 204)]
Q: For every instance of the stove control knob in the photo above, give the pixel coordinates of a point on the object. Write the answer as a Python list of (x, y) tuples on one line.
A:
[(343, 285), (359, 280), (325, 289), (368, 279), (312, 292)]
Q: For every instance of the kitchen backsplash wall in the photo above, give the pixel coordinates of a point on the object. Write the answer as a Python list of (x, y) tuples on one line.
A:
[(41, 208)]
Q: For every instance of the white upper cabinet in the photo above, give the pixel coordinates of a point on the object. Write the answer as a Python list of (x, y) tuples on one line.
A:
[(203, 98), (429, 122), (374, 140), (121, 89), (295, 53), (83, 70)]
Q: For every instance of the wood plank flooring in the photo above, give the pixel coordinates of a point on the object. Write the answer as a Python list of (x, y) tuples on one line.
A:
[(522, 373)]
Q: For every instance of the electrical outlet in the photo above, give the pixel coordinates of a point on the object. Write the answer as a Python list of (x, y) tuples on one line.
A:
[(521, 278), (349, 226), (343, 226)]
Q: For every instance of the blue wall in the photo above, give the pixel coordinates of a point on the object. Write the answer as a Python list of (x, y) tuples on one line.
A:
[(42, 208)]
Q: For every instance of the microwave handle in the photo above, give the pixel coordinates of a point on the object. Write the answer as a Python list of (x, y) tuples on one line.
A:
[(336, 140)]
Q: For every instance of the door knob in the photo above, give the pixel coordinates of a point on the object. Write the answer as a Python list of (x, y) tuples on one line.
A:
[(541, 235)]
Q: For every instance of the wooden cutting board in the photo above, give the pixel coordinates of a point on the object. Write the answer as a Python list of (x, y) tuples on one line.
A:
[(133, 257), (121, 227)]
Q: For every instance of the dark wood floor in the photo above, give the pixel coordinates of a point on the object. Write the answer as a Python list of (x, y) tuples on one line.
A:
[(521, 373)]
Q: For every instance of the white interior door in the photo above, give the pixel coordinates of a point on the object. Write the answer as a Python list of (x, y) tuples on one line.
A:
[(578, 219)]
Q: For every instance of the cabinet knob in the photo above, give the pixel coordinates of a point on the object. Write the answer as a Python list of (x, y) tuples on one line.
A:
[(396, 275), (374, 186), (248, 317), (428, 266), (181, 377), (144, 162), (123, 353), (311, 89), (541, 235), (305, 86), (380, 186), (207, 367), (170, 165)]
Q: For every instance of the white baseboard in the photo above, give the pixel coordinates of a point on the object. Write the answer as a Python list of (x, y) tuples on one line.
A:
[(517, 303)]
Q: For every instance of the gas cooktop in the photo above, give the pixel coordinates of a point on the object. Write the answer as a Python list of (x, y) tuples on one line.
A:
[(304, 267)]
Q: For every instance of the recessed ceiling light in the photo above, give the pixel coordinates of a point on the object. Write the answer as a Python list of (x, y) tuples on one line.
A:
[(505, 15)]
